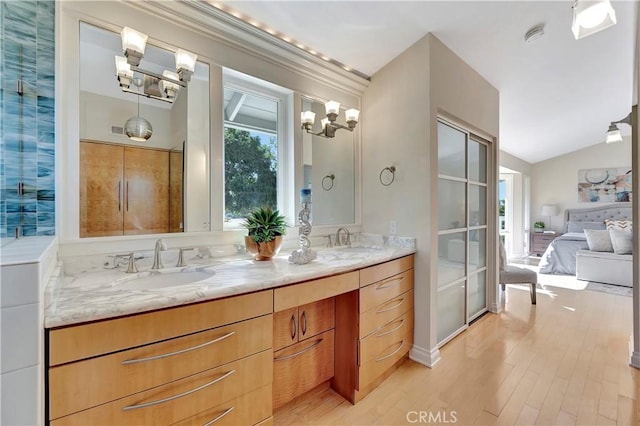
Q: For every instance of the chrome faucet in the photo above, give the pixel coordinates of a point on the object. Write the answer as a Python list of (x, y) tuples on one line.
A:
[(131, 266), (157, 258), (181, 261), (347, 241)]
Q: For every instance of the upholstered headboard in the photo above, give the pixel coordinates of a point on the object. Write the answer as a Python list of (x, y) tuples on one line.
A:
[(620, 211)]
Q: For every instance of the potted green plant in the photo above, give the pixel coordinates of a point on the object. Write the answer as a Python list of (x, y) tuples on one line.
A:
[(266, 228), (538, 226)]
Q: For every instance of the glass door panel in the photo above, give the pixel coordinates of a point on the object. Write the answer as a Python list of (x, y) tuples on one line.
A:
[(477, 291), (477, 161), (477, 205), (452, 212), (477, 249), (451, 151), (452, 251), (451, 309)]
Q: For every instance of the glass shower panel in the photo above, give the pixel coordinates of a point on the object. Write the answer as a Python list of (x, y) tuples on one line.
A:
[(451, 309), (477, 205), (451, 205), (451, 151), (477, 293), (477, 249), (477, 162), (452, 252)]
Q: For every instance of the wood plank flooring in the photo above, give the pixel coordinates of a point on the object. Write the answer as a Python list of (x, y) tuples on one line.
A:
[(561, 362)]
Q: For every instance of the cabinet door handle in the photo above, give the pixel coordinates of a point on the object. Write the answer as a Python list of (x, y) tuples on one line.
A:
[(228, 410), (392, 353), (119, 195), (400, 302), (127, 191), (392, 330), (389, 282), (192, 348), (294, 327), (180, 395), (284, 357), (303, 319)]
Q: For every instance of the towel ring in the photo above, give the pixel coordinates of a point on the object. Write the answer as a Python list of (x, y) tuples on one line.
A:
[(329, 185), (390, 169)]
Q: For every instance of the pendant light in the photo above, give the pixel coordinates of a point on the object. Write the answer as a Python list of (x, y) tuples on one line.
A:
[(138, 128)]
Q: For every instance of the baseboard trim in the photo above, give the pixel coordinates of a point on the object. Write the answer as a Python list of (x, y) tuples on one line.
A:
[(496, 308), (635, 359), (425, 356)]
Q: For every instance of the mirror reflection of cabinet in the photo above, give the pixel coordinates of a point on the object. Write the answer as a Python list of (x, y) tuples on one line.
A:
[(124, 190)]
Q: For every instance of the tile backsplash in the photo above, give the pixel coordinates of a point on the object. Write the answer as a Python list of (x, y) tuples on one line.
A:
[(27, 138)]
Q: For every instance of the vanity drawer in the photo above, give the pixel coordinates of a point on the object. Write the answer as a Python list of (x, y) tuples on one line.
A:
[(379, 272), (380, 350), (314, 290), (87, 340), (249, 409), (165, 361), (380, 292), (301, 367), (381, 314), (181, 398)]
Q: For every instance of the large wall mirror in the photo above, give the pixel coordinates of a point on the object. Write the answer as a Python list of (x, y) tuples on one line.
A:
[(329, 170), (129, 187)]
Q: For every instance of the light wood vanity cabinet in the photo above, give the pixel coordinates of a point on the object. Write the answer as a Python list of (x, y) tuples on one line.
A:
[(165, 366), (304, 334), (384, 335), (232, 361)]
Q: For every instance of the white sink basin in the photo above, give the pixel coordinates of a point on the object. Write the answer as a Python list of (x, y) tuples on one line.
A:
[(151, 280)]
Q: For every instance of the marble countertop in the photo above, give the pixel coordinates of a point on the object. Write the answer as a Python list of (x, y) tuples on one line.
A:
[(89, 290)]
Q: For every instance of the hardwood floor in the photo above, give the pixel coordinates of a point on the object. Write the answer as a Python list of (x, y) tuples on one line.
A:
[(563, 361)]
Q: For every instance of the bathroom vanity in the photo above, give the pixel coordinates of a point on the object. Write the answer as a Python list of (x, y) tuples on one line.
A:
[(238, 354)]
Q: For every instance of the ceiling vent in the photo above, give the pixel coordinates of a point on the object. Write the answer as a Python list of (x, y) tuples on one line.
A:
[(117, 130), (534, 33)]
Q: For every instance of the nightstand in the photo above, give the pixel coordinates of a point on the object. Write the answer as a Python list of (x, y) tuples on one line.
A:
[(540, 241)]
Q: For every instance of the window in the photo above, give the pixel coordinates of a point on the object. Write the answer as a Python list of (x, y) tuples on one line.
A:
[(255, 145)]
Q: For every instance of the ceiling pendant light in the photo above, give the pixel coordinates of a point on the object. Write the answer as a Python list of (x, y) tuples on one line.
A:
[(591, 16), (138, 128)]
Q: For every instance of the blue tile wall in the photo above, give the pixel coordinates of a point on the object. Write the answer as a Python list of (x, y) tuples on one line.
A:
[(27, 135)]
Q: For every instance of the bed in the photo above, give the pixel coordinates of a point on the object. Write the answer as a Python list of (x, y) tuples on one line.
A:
[(560, 256)]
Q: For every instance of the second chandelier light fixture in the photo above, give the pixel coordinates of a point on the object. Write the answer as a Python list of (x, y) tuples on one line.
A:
[(329, 125)]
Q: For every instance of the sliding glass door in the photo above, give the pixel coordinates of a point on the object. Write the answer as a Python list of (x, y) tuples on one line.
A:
[(462, 229)]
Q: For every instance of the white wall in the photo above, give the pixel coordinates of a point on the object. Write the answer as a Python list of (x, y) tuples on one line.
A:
[(555, 181), (98, 113), (423, 81)]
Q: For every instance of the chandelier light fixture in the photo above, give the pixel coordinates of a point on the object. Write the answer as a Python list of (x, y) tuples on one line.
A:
[(613, 134), (138, 128), (591, 16), (169, 82), (329, 125)]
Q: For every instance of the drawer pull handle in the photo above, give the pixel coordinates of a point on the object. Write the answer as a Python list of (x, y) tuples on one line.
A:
[(180, 395), (400, 302), (209, 423), (193, 348), (304, 322), (392, 330), (392, 353), (294, 327), (284, 357), (389, 281)]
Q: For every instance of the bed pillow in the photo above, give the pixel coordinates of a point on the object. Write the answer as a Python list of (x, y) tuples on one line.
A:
[(598, 240), (581, 226), (618, 224), (621, 240)]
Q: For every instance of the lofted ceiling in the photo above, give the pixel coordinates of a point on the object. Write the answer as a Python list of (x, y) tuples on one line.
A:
[(557, 94)]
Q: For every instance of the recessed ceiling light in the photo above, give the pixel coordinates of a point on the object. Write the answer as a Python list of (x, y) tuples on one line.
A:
[(534, 33)]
